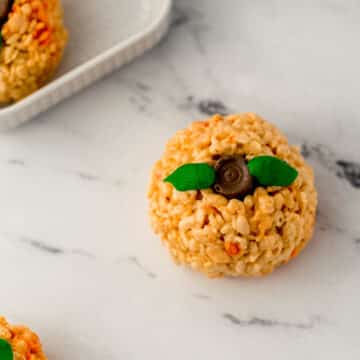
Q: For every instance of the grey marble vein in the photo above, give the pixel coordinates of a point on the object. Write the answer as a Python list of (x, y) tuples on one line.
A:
[(179, 17), (196, 32), (264, 322), (81, 175), (201, 296), (54, 250), (195, 24), (91, 178), (205, 106), (39, 245), (17, 162), (212, 107), (135, 261), (342, 168), (141, 102), (87, 177), (350, 171), (84, 253), (192, 20), (186, 15), (142, 86), (320, 153), (179, 80)]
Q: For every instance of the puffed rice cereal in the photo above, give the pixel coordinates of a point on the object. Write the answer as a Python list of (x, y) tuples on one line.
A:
[(25, 343), (33, 39), (232, 237)]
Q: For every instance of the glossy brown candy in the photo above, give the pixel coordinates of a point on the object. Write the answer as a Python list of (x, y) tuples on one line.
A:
[(232, 177)]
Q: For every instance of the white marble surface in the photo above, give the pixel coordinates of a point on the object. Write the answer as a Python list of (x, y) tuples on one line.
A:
[(79, 262)]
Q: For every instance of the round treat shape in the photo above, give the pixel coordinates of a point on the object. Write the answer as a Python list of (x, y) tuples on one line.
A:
[(221, 236), (25, 343), (33, 41)]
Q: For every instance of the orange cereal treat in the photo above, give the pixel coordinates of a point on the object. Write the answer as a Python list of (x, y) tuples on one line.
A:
[(24, 344), (33, 41), (231, 197)]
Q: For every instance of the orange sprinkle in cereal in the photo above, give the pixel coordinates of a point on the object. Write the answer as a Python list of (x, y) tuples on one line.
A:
[(232, 248), (295, 252)]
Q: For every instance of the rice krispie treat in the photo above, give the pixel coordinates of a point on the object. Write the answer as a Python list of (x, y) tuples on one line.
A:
[(19, 343), (33, 41), (231, 197)]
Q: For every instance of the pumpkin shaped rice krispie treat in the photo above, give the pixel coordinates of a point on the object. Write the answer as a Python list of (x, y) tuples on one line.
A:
[(19, 343), (231, 197), (33, 39)]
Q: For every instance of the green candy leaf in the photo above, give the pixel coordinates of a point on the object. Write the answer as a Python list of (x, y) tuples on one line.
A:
[(6, 352), (272, 171), (192, 177)]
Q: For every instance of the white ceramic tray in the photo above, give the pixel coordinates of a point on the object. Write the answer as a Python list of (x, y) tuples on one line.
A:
[(104, 35)]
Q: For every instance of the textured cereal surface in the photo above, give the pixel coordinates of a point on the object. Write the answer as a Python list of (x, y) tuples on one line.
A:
[(34, 39), (222, 237), (25, 343)]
